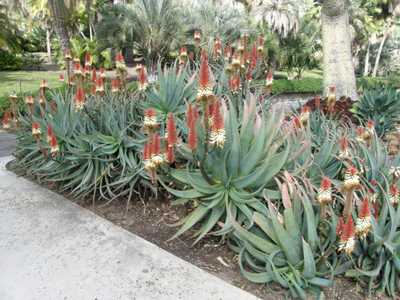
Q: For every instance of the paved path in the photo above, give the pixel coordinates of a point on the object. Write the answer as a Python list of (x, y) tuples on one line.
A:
[(52, 249), (7, 143)]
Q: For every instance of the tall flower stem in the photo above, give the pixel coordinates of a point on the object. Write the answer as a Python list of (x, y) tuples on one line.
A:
[(348, 205), (206, 129)]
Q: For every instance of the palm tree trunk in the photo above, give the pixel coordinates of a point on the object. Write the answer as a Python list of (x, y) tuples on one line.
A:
[(338, 61), (378, 56), (48, 45), (58, 9), (366, 63)]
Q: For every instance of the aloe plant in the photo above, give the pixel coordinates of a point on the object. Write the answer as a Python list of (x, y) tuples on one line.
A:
[(174, 87), (381, 106), (288, 245), (231, 178), (376, 257), (99, 146)]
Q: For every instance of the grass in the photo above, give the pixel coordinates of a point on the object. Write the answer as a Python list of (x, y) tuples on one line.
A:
[(27, 82), (24, 82)]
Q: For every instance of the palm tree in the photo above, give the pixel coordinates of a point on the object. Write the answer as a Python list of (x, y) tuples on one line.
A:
[(153, 27), (59, 19), (338, 60), (282, 16), (216, 20)]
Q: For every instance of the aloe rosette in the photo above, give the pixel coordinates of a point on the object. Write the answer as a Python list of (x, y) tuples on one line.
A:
[(288, 246), (230, 180)]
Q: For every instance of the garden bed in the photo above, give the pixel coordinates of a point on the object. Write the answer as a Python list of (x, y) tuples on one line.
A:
[(154, 221)]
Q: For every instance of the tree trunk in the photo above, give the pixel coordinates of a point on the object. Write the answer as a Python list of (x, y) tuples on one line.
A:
[(48, 45), (58, 13), (366, 62), (338, 62), (379, 54)]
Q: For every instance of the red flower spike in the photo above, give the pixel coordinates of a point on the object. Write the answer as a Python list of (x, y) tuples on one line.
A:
[(204, 80), (234, 83), (146, 151), (249, 76), (77, 67), (35, 125), (189, 116), (394, 191), (228, 52), (352, 170), (197, 36), (53, 141), (6, 119), (217, 47), (364, 209), (339, 226), (156, 143), (183, 51), (192, 137), (254, 57), (370, 124), (218, 121), (305, 109), (170, 154), (269, 79), (94, 75), (195, 114), (49, 130), (61, 77), (142, 77), (115, 85), (102, 73), (373, 182), (80, 95), (348, 230), (360, 131), (119, 57), (296, 122), (150, 112), (326, 183), (171, 129), (343, 143), (88, 59), (100, 83)]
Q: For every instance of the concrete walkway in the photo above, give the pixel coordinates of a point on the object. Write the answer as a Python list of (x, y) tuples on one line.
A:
[(7, 143), (52, 249)]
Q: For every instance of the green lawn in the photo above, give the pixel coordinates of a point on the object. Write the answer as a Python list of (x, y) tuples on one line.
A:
[(26, 81), (23, 82)]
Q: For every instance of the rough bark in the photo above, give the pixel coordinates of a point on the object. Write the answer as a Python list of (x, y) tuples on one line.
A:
[(58, 13), (338, 61)]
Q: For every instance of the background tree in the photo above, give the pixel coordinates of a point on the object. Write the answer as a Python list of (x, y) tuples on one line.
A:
[(59, 20), (337, 59)]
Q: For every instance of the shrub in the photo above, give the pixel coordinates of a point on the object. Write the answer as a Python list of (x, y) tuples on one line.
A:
[(9, 61), (381, 106), (306, 85)]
